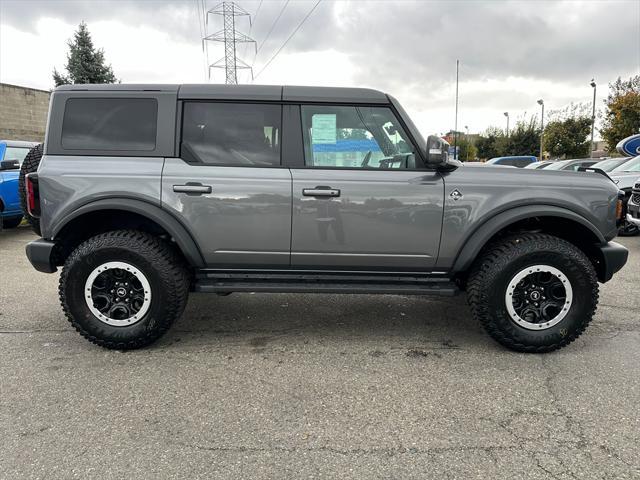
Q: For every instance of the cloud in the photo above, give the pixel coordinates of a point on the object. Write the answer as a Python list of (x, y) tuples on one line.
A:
[(511, 52)]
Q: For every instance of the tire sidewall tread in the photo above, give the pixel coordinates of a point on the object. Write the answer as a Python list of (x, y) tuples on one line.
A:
[(30, 164), (158, 261), (499, 263)]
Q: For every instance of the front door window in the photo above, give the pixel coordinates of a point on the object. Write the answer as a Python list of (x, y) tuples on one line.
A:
[(355, 137)]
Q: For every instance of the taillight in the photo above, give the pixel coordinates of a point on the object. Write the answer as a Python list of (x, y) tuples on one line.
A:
[(33, 194)]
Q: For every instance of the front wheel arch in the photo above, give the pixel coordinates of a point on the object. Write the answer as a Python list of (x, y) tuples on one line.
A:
[(557, 221)]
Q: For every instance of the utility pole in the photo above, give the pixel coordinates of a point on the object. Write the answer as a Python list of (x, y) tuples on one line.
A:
[(541, 103), (593, 115), (455, 128), (506, 114), (230, 37)]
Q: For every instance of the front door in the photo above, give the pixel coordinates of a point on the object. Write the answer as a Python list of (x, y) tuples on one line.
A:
[(228, 187), (362, 201)]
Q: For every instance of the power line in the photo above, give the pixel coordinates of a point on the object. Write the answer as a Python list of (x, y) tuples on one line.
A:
[(200, 25), (251, 24), (273, 25), (287, 40)]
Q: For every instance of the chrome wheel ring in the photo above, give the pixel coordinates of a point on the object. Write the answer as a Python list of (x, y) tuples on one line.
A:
[(118, 294), (538, 297)]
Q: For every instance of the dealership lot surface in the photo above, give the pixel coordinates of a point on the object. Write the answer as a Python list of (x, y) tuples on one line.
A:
[(306, 386)]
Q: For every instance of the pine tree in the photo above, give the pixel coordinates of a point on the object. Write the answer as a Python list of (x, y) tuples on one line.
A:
[(85, 63)]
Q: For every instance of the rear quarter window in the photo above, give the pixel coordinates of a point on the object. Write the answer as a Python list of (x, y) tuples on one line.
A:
[(110, 124)]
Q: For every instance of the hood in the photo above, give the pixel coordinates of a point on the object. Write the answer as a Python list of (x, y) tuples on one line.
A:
[(624, 180)]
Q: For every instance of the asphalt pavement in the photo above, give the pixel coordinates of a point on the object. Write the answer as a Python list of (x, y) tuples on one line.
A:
[(269, 386)]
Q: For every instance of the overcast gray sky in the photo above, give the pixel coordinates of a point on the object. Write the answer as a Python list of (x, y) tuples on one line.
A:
[(511, 52)]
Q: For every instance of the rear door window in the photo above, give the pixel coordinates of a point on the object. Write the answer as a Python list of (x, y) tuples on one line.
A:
[(231, 134), (115, 124)]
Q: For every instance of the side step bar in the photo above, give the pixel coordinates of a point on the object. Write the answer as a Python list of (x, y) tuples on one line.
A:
[(212, 281)]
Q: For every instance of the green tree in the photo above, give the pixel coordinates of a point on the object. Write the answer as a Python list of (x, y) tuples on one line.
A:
[(491, 144), (467, 150), (622, 115), (85, 63), (524, 138), (568, 138)]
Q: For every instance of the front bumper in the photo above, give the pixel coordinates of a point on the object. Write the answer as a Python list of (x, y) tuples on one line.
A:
[(613, 258), (633, 213), (40, 254)]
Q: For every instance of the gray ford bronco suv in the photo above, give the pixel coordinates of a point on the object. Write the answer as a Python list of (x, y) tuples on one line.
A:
[(145, 193)]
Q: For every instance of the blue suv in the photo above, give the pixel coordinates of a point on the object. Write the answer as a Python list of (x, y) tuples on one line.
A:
[(12, 154)]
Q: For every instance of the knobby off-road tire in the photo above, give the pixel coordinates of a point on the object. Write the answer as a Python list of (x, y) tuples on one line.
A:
[(90, 272), (29, 165), (496, 272)]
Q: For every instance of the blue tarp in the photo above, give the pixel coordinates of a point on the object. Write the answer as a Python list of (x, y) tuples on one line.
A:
[(347, 146)]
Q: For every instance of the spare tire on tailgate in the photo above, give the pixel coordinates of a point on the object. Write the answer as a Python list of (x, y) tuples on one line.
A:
[(29, 165)]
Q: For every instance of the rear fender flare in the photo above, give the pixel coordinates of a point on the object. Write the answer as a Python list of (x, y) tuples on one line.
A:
[(168, 222)]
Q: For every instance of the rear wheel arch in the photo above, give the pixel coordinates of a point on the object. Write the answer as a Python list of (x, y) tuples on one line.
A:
[(118, 213), (553, 220)]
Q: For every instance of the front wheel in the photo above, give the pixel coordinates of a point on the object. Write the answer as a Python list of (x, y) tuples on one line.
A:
[(533, 292), (123, 289)]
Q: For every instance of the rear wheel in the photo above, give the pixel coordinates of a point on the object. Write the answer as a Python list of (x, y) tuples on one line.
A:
[(29, 165), (533, 292), (123, 289), (11, 222)]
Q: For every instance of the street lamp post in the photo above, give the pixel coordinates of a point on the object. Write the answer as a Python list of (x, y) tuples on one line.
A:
[(541, 103), (593, 114), (506, 114)]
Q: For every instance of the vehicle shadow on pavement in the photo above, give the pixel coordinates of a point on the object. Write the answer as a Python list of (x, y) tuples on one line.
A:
[(261, 321)]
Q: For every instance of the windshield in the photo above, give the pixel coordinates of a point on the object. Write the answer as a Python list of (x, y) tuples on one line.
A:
[(632, 165), (16, 153), (608, 165), (558, 165)]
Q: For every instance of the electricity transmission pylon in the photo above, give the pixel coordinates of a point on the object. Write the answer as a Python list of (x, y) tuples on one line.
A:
[(230, 37)]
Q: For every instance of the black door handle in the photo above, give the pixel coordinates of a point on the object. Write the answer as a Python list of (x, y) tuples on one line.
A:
[(192, 188), (321, 192)]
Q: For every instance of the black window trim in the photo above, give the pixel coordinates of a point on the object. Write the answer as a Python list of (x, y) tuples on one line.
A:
[(417, 152), (198, 161), (165, 140), (104, 151)]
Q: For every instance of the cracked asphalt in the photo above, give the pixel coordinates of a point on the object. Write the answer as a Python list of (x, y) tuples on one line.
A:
[(313, 386)]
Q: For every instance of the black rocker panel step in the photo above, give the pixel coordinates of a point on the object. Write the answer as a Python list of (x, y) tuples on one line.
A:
[(343, 282)]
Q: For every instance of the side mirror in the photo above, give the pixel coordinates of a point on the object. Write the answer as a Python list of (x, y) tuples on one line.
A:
[(9, 165), (437, 150)]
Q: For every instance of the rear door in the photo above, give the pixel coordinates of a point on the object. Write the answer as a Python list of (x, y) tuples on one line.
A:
[(361, 198), (228, 186)]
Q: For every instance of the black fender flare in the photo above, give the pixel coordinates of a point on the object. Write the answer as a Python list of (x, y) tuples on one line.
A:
[(476, 240), (153, 212)]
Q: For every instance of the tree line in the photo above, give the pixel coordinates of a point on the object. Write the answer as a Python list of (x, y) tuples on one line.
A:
[(567, 134)]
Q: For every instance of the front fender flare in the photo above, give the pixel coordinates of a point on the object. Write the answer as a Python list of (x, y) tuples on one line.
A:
[(476, 240), (168, 222)]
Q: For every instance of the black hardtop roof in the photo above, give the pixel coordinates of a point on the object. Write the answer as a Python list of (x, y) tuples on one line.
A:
[(246, 92)]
